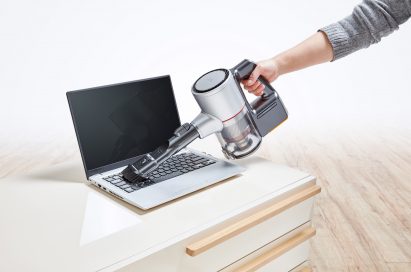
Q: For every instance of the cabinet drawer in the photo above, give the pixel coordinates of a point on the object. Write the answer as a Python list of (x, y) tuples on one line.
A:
[(237, 237), (223, 245), (283, 254)]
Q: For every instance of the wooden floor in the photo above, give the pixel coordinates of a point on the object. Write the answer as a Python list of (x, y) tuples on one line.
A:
[(362, 216)]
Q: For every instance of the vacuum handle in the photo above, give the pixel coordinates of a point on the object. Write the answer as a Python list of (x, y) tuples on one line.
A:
[(267, 111), (243, 71)]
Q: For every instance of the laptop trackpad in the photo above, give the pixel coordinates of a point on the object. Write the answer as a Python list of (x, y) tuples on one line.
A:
[(183, 184)]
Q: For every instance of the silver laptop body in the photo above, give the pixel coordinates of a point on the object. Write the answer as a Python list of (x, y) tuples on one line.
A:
[(164, 191)]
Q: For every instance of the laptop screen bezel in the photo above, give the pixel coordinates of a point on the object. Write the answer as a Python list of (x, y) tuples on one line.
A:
[(122, 163)]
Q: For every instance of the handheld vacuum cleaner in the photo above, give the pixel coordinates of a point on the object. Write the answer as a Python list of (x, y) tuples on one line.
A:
[(225, 111)]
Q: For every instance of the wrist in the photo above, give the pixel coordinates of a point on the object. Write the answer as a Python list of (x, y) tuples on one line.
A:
[(280, 63)]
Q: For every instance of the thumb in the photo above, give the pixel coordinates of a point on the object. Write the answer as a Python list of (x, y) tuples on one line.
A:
[(254, 76)]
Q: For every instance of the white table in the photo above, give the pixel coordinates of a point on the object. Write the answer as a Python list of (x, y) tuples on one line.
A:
[(53, 221)]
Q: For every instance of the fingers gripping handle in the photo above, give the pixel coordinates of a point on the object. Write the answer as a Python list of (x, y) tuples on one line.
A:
[(244, 69)]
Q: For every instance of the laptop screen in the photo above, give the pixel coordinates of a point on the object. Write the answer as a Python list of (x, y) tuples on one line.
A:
[(116, 123)]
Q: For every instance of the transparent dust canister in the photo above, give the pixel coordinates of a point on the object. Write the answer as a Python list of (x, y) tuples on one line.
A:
[(239, 136)]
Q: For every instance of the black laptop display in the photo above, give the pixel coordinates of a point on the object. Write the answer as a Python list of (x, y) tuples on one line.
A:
[(117, 123)]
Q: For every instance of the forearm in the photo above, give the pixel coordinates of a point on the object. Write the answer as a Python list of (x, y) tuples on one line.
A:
[(369, 22), (314, 50)]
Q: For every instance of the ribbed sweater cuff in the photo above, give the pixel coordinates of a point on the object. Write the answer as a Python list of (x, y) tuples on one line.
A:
[(339, 40)]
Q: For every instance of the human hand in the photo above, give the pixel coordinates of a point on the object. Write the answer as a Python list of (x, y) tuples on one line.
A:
[(269, 69)]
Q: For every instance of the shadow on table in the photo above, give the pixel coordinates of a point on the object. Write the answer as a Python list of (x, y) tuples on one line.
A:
[(66, 173)]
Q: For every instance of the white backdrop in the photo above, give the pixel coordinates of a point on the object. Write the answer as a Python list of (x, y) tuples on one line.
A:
[(48, 47)]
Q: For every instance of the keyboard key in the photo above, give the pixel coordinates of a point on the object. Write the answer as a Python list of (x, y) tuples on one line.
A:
[(121, 183), (129, 190), (125, 186), (116, 181), (134, 187)]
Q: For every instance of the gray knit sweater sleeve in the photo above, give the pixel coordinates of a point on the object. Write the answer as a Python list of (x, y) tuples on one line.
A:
[(370, 21)]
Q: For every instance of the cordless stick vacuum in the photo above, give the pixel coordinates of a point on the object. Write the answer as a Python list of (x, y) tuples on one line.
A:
[(225, 111)]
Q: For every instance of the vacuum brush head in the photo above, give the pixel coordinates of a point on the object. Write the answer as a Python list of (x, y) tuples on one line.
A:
[(131, 176)]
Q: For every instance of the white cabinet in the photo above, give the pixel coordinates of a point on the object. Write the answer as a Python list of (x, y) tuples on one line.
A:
[(270, 237), (257, 220)]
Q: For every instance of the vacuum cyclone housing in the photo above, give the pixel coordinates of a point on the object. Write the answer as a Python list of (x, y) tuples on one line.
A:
[(217, 94)]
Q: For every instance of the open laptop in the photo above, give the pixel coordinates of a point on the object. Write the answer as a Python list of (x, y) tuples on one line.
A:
[(116, 124)]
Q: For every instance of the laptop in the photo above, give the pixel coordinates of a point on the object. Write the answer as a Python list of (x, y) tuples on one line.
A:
[(116, 124)]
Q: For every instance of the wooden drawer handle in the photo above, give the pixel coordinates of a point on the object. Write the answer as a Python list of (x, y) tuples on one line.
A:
[(250, 221), (277, 251), (305, 269)]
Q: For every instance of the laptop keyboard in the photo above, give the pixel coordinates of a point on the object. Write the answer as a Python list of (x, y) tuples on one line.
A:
[(173, 167)]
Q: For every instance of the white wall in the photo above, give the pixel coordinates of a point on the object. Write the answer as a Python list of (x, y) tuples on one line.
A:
[(49, 47)]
